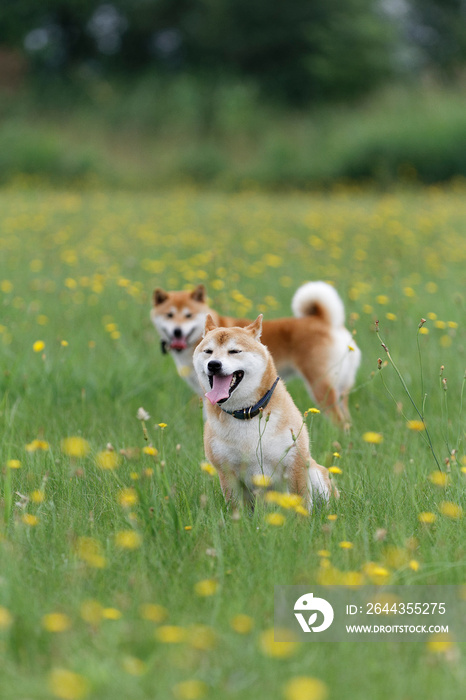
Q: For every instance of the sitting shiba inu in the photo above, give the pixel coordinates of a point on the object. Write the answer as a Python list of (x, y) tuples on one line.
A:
[(314, 344), (240, 381)]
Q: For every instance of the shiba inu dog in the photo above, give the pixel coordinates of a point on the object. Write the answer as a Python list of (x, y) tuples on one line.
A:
[(314, 344), (253, 428)]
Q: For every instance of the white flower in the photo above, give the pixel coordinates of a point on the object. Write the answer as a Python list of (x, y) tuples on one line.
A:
[(142, 414)]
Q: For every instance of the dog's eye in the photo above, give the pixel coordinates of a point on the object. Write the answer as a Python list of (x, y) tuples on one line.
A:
[(234, 352), (170, 314), (188, 315), (208, 352)]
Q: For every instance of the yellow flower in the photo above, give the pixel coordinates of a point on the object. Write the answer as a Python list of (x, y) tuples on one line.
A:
[(372, 438), (56, 622), (90, 551), (6, 618), (67, 685), (273, 496), (377, 574), (446, 341), (75, 446), (37, 496), (111, 614), (335, 470), (414, 565), (452, 324), (162, 425), (190, 690), (13, 464), (64, 343), (261, 480), (390, 317), (201, 637), (323, 553), (275, 519), (149, 450), (38, 346), (382, 299), (31, 520), (107, 460), (128, 497), (439, 478), (332, 517), (91, 611), (188, 528), (6, 286), (440, 643), (208, 468), (290, 500), (134, 666), (37, 445), (171, 634), (242, 624), (313, 410), (128, 539), (278, 650), (427, 518), (206, 588), (351, 578), (153, 612), (346, 545), (305, 688), (451, 510), (416, 425), (424, 330)]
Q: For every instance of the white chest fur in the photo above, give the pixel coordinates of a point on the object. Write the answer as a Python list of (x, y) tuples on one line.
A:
[(251, 447)]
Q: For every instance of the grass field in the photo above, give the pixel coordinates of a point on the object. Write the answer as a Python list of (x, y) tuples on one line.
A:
[(123, 574)]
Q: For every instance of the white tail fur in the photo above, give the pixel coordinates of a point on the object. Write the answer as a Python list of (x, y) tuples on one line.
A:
[(319, 299)]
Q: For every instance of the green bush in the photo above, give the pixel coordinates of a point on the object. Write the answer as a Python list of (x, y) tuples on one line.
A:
[(25, 150)]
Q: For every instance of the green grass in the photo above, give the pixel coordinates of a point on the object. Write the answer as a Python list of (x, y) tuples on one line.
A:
[(151, 133), (80, 268)]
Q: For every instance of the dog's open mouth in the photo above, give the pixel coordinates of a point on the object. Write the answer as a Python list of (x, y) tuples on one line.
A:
[(178, 344), (223, 386)]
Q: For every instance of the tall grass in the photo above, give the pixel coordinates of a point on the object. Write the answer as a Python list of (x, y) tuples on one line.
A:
[(158, 133), (122, 571)]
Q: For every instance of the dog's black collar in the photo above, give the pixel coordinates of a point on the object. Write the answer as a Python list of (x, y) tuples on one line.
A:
[(253, 411)]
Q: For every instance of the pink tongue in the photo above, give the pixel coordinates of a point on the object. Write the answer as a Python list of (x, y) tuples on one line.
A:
[(220, 389), (178, 344)]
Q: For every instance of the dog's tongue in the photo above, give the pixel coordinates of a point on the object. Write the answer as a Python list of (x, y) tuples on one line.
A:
[(220, 388), (178, 344)]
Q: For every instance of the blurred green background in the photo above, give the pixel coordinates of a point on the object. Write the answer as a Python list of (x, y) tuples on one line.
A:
[(232, 93)]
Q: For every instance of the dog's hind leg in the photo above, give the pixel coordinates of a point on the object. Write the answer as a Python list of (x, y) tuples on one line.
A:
[(320, 484), (333, 405)]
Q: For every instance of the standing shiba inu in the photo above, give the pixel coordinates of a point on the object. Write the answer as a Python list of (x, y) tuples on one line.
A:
[(314, 344), (240, 381)]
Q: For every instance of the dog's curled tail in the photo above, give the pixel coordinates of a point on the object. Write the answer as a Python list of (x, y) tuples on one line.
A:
[(319, 299)]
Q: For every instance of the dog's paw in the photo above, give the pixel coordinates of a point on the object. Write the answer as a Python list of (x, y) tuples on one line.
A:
[(320, 486)]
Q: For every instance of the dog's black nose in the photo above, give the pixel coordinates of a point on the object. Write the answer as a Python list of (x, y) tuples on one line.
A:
[(177, 333), (214, 366)]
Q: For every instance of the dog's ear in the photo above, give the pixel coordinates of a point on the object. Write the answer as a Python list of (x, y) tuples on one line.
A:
[(209, 324), (198, 294), (256, 328), (159, 296)]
